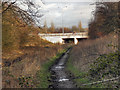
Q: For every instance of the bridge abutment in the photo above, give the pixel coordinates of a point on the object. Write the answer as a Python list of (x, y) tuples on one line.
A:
[(75, 41)]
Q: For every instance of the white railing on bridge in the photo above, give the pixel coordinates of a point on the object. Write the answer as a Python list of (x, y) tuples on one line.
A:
[(65, 34)]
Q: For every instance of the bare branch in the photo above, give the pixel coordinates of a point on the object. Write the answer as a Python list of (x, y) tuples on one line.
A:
[(8, 6), (30, 14)]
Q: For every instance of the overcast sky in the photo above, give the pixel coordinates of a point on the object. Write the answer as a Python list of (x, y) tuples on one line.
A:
[(64, 12), (67, 13)]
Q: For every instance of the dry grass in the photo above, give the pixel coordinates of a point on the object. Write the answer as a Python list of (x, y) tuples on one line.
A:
[(29, 65), (87, 51)]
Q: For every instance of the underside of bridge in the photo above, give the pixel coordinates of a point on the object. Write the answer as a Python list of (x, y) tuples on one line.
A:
[(72, 40), (68, 40), (80, 39)]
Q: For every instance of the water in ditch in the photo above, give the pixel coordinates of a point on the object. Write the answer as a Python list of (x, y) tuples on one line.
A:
[(60, 78)]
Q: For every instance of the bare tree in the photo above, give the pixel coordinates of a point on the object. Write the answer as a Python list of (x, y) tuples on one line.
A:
[(52, 27), (30, 13), (45, 27), (105, 19)]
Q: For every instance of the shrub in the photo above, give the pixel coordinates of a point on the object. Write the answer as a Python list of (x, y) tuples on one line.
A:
[(105, 66)]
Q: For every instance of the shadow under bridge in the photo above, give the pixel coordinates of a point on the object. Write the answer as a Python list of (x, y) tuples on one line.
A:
[(72, 40)]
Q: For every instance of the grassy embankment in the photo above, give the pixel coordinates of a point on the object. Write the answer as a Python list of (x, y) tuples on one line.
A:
[(33, 69), (24, 52), (95, 60)]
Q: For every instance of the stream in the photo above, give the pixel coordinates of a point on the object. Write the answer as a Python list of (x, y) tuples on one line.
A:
[(60, 77)]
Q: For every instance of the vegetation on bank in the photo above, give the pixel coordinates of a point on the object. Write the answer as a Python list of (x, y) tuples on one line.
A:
[(105, 67), (98, 59), (43, 75), (78, 77), (27, 66), (95, 61)]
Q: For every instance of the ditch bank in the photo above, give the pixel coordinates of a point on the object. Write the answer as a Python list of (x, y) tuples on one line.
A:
[(59, 76)]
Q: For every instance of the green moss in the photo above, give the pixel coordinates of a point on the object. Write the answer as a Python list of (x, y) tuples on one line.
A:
[(43, 75)]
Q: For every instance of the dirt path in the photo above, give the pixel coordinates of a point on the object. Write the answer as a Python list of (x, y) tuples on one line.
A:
[(60, 78)]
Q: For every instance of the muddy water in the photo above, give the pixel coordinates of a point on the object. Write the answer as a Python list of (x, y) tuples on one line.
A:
[(60, 78)]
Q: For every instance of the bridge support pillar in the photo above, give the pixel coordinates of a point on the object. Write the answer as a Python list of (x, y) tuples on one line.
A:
[(62, 41), (75, 41)]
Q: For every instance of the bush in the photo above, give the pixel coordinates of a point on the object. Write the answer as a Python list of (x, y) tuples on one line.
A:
[(105, 66)]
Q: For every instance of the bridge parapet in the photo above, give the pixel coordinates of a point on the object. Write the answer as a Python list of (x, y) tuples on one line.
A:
[(65, 34)]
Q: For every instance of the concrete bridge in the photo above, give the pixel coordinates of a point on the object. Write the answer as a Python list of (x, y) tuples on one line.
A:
[(64, 37)]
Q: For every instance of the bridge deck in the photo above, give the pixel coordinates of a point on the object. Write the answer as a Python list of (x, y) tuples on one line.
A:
[(65, 34), (60, 37)]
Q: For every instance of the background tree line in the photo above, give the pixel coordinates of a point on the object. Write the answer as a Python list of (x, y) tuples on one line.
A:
[(53, 29), (105, 20)]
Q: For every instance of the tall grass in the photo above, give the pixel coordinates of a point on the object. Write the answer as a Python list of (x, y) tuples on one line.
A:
[(90, 55), (79, 77), (30, 64), (89, 50)]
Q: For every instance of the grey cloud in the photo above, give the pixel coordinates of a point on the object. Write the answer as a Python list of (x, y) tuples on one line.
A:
[(72, 14)]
